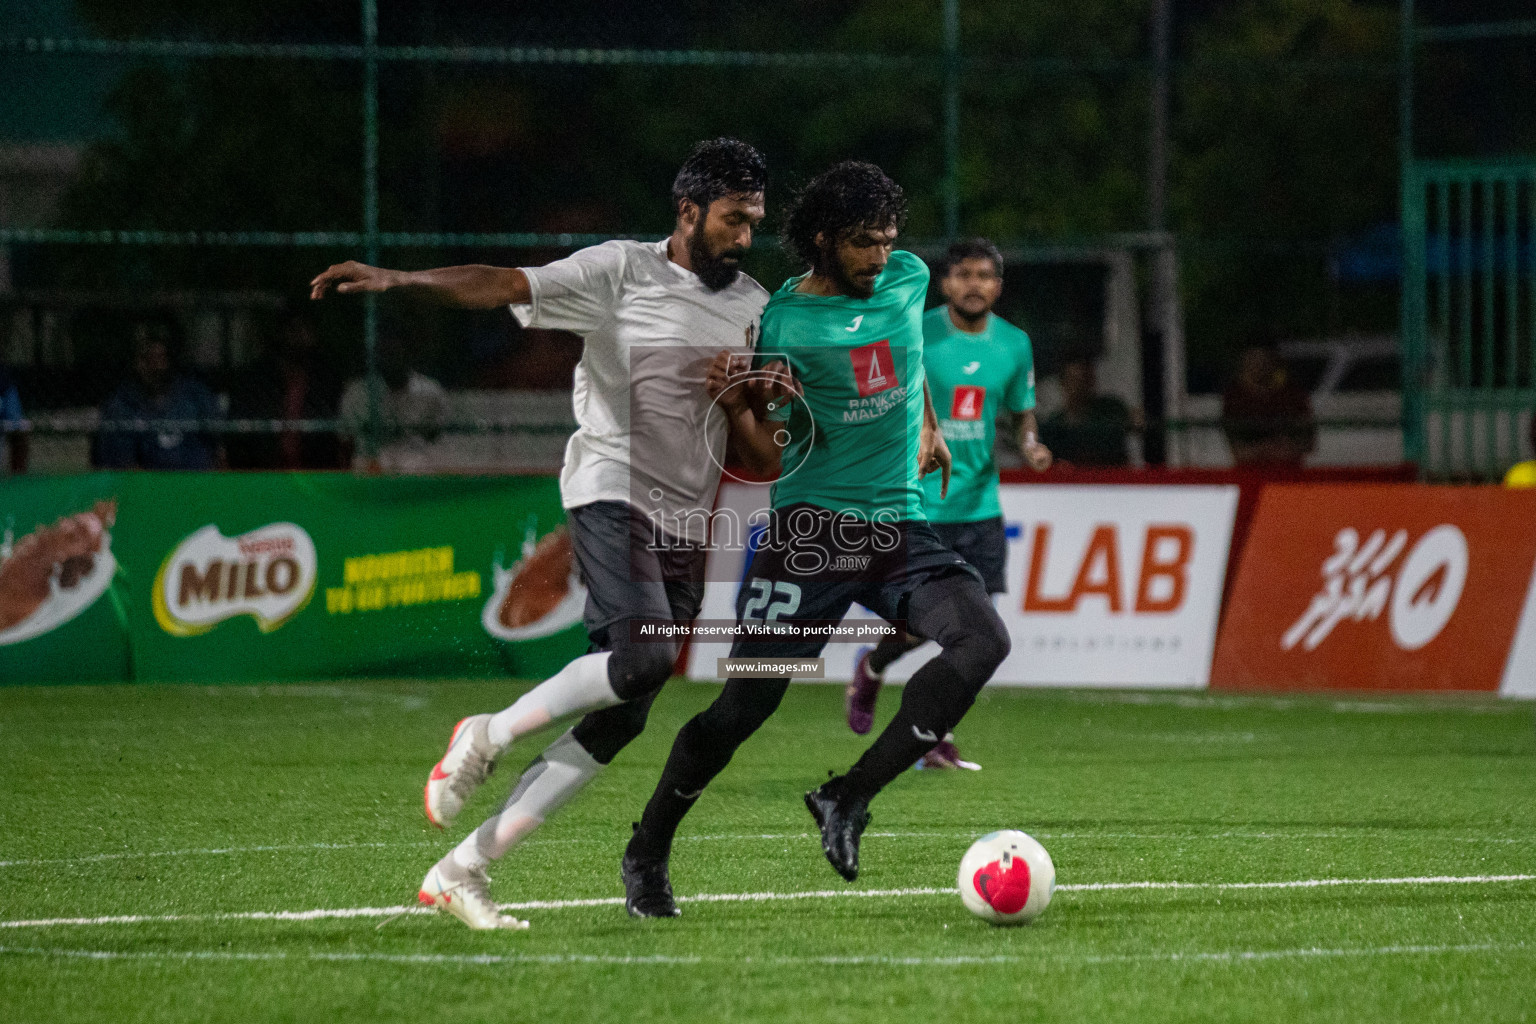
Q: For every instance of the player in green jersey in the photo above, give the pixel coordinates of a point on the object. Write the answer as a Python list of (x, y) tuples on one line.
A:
[(846, 522), (976, 362)]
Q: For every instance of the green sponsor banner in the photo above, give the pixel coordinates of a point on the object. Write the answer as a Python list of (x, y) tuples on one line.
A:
[(262, 577), (64, 594)]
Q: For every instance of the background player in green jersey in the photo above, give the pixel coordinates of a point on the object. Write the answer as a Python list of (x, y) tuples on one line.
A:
[(976, 363), (846, 523)]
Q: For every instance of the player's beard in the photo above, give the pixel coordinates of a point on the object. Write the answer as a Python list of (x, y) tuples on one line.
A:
[(847, 283), (716, 269), (972, 312)]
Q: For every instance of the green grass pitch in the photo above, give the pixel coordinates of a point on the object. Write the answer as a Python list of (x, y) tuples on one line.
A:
[(188, 812)]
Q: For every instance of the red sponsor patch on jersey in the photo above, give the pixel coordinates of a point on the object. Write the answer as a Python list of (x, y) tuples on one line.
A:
[(874, 370), (967, 403)]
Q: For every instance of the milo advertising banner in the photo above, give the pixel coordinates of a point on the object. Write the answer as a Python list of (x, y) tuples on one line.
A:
[(63, 591), (267, 577)]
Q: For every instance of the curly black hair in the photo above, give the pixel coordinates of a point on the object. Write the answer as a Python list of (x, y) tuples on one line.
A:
[(718, 168), (842, 199), (971, 249)]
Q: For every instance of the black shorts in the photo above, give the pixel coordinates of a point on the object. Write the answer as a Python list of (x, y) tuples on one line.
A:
[(984, 544), (631, 569), (811, 566)]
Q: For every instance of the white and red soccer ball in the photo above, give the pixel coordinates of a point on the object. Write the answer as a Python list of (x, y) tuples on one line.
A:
[(1006, 878)]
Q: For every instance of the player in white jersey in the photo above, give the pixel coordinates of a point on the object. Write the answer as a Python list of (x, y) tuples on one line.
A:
[(656, 319)]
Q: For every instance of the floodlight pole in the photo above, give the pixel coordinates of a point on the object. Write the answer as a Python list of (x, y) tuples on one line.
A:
[(371, 221), (951, 118)]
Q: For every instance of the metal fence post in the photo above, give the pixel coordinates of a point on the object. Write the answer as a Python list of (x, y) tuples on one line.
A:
[(1411, 309), (371, 222), (951, 118), (1162, 368)]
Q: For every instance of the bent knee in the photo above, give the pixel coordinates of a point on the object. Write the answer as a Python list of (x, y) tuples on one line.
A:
[(995, 642), (981, 647), (639, 669)]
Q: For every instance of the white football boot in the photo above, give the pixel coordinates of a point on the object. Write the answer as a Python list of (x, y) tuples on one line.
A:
[(469, 762), (466, 894)]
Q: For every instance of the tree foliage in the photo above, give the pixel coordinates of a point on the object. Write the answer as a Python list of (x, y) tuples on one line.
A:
[(1267, 165)]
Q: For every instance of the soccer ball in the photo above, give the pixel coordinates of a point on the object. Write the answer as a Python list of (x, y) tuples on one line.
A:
[(1006, 878)]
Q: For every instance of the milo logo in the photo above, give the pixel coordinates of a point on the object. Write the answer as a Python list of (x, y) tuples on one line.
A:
[(268, 574)]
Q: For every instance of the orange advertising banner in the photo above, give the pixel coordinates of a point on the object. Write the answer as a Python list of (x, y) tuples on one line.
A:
[(1379, 587)]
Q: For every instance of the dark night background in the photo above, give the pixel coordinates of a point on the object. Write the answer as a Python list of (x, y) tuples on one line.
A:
[(1283, 138)]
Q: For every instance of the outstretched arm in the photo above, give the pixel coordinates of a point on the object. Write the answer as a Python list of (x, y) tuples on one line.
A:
[(469, 287)]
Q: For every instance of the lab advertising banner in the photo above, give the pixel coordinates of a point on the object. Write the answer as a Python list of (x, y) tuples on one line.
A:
[(1385, 588), (263, 577), (1110, 585), (1115, 585)]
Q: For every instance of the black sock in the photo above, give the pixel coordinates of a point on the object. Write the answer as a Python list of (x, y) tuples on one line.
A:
[(890, 648), (652, 840), (689, 769), (701, 751), (933, 701)]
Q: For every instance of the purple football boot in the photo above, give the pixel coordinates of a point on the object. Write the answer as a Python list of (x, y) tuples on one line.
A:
[(862, 693), (946, 755)]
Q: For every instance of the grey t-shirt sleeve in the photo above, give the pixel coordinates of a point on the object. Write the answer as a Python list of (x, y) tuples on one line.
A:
[(578, 293)]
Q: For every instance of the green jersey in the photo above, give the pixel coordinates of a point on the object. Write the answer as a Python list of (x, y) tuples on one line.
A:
[(968, 374), (853, 438)]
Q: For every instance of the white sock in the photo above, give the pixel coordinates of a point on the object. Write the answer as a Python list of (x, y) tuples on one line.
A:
[(557, 775), (580, 686)]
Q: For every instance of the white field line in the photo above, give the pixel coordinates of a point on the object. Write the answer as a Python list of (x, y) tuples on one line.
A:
[(755, 897), (210, 851), (1235, 834), (1215, 701), (663, 960), (1344, 833)]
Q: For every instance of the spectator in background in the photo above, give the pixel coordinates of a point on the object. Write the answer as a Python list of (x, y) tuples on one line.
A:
[(1266, 417), (157, 390), (10, 411), (412, 410), (1090, 429), (290, 382)]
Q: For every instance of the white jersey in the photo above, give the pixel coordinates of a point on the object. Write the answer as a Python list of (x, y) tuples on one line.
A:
[(648, 433)]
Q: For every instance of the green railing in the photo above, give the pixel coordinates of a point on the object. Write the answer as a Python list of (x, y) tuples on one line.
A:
[(1469, 255), (1469, 302)]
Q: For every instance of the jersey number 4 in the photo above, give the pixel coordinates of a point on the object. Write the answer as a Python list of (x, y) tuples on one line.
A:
[(786, 603)]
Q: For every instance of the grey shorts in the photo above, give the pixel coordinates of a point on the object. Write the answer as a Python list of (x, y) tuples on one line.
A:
[(631, 569)]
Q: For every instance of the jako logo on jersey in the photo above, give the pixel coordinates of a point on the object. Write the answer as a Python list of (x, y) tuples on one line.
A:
[(856, 322), (967, 403), (1161, 583), (268, 574), (873, 368), (970, 368), (1358, 584)]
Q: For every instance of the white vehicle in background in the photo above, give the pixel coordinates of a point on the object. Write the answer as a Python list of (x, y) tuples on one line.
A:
[(1355, 383)]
